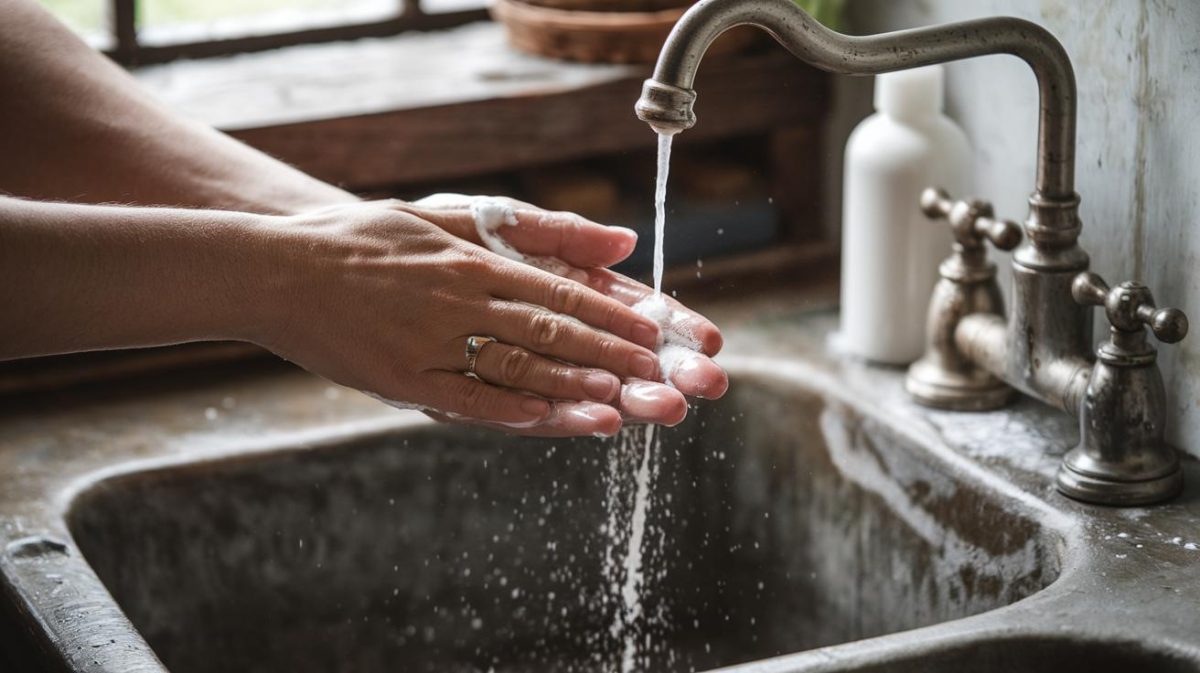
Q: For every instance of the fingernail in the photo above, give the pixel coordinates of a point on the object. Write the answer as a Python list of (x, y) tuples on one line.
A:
[(644, 366), (646, 334), (644, 391), (535, 407), (600, 386), (578, 275), (592, 413)]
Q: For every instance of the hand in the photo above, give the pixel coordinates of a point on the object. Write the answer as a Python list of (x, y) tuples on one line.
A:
[(380, 299), (584, 248)]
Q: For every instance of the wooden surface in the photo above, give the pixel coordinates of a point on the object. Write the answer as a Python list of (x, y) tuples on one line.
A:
[(453, 141), (308, 83), (462, 103)]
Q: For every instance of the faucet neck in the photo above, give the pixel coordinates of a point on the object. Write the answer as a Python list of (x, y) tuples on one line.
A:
[(823, 48)]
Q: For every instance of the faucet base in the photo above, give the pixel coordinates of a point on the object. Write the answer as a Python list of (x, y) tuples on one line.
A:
[(1110, 490), (973, 389)]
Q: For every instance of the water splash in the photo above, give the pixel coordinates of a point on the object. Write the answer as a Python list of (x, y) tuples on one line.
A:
[(625, 562), (628, 576)]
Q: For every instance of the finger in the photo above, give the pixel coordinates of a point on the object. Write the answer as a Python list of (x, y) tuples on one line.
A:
[(566, 236), (558, 336), (681, 320), (567, 419), (650, 402), (569, 237), (565, 296), (693, 374), (513, 367), (458, 395)]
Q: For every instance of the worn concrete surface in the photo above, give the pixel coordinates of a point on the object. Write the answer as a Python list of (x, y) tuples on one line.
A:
[(1137, 65)]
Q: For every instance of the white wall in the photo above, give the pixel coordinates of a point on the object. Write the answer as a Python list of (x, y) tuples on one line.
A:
[(1137, 64)]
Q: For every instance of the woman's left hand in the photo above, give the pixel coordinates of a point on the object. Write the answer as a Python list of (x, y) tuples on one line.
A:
[(586, 249)]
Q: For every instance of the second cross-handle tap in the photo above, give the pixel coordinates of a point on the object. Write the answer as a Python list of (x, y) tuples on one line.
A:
[(1122, 457)]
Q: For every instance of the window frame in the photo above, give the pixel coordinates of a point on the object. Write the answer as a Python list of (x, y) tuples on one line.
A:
[(129, 51)]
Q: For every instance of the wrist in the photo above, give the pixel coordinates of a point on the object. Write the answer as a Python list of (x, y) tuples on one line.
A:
[(261, 281)]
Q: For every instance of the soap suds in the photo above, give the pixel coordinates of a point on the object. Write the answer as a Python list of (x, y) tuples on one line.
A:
[(679, 346), (491, 214)]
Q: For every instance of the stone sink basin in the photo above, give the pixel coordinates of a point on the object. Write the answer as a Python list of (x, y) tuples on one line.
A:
[(813, 520)]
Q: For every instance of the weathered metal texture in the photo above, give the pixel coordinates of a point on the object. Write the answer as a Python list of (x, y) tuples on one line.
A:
[(949, 376), (268, 521)]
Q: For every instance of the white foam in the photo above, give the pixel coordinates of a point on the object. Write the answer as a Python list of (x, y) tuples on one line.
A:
[(679, 346), (491, 215)]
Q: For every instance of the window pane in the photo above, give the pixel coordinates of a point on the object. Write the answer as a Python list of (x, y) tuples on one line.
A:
[(89, 18), (174, 21)]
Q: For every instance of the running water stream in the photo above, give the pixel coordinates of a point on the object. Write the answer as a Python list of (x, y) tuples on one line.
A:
[(660, 207), (628, 626)]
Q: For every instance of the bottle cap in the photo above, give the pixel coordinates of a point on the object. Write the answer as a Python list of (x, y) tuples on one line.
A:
[(909, 94)]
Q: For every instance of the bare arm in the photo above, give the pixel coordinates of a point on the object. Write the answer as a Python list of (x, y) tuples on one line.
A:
[(368, 295), (75, 127), (77, 277)]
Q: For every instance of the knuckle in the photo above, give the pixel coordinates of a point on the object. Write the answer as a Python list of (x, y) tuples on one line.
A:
[(466, 262), (606, 349), (516, 366), (563, 377), (612, 314), (569, 229), (544, 329), (565, 297)]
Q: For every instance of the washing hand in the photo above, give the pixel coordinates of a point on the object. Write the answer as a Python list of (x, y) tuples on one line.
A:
[(400, 287), (576, 248)]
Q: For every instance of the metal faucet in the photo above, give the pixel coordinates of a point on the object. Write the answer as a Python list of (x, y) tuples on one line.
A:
[(975, 357)]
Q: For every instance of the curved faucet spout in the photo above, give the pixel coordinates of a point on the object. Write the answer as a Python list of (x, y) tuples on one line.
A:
[(666, 102)]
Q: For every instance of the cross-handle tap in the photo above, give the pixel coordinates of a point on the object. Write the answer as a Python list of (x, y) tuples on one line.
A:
[(973, 221), (1122, 457), (1130, 306), (943, 377)]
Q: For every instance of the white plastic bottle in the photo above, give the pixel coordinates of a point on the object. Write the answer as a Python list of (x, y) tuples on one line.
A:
[(890, 250)]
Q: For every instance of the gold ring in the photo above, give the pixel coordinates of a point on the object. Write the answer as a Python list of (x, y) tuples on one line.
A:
[(475, 345)]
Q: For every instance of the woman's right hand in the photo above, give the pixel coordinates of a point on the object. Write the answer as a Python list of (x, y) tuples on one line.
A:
[(381, 300)]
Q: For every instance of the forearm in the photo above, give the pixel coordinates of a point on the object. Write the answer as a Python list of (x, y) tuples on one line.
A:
[(77, 277), (76, 127)]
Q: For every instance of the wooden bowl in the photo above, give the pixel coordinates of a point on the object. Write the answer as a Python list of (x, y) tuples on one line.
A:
[(611, 5), (598, 36)]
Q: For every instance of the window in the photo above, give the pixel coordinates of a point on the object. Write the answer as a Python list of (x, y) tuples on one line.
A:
[(153, 31)]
